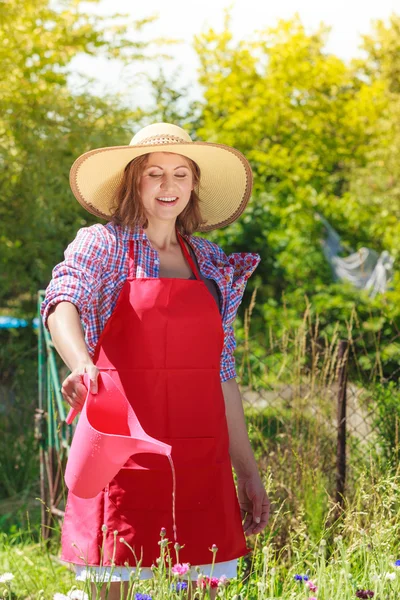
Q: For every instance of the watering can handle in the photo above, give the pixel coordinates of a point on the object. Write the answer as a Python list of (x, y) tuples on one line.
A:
[(73, 412)]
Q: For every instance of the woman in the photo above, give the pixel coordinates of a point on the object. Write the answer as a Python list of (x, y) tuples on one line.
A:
[(169, 299)]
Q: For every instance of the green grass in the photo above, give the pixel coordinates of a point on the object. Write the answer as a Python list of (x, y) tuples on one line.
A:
[(356, 552)]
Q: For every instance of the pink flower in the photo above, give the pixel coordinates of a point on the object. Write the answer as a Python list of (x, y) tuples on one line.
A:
[(180, 569), (312, 586), (210, 581), (312, 598)]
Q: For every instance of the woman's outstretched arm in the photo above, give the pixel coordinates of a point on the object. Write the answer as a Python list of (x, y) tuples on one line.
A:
[(68, 338)]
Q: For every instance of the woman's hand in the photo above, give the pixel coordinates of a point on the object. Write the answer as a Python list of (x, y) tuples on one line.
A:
[(73, 389), (254, 503)]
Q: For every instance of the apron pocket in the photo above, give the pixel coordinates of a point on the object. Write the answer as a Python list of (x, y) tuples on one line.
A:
[(146, 484)]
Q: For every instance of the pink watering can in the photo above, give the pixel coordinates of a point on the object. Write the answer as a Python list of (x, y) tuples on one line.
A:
[(107, 434)]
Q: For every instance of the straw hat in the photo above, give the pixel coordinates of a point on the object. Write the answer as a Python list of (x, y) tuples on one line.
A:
[(225, 183)]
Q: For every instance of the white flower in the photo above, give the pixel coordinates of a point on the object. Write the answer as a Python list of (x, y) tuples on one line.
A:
[(6, 577), (75, 594), (391, 576), (60, 597)]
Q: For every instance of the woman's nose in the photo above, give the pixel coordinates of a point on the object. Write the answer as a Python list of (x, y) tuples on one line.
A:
[(167, 181)]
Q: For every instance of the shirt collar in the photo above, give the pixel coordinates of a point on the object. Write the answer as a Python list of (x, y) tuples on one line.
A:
[(139, 233)]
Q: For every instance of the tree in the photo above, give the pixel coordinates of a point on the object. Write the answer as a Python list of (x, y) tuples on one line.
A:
[(45, 125)]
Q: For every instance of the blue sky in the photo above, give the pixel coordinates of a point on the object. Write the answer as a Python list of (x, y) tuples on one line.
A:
[(183, 19)]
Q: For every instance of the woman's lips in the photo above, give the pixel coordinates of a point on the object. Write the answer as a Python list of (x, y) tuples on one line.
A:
[(169, 203)]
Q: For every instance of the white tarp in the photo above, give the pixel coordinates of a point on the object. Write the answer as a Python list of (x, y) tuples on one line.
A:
[(365, 268)]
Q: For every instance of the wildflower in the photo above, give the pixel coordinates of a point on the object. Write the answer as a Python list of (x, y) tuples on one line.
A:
[(75, 594), (58, 596), (179, 586), (180, 569), (265, 550), (397, 563), (142, 597), (104, 528), (223, 580), (365, 594), (122, 540), (214, 548), (301, 577), (6, 577), (312, 586), (210, 581), (163, 532), (391, 576)]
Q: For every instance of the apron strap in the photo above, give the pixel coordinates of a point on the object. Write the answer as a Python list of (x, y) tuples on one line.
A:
[(131, 268), (131, 271), (188, 257)]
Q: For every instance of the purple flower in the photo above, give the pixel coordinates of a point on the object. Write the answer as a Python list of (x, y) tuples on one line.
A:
[(179, 586), (301, 577), (397, 563), (365, 594), (142, 597)]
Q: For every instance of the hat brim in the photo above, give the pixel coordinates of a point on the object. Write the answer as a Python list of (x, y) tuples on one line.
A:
[(225, 184)]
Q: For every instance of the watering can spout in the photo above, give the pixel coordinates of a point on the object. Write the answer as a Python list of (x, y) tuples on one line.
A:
[(152, 446), (107, 435)]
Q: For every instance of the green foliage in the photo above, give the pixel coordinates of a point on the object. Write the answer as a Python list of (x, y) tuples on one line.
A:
[(19, 457), (386, 419), (321, 136), (45, 126)]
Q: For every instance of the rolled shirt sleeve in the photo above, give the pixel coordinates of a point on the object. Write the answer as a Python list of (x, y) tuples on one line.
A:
[(238, 268), (77, 278)]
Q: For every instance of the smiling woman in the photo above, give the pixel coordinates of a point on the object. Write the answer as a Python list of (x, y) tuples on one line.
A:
[(140, 285)]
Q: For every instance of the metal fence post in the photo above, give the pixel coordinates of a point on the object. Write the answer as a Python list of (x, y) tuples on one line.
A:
[(341, 424)]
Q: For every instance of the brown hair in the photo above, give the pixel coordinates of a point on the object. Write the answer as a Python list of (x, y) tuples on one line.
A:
[(128, 208)]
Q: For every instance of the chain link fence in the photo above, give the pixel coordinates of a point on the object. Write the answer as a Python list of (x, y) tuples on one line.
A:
[(314, 405)]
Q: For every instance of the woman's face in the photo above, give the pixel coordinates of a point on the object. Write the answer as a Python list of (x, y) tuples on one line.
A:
[(166, 177)]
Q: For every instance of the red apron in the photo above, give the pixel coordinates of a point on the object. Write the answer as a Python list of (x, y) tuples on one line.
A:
[(162, 345)]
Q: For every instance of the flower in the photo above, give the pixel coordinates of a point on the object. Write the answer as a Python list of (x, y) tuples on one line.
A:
[(75, 594), (312, 586), (58, 596), (210, 581), (391, 576), (179, 586), (223, 580), (301, 577), (397, 563), (180, 569), (142, 597), (365, 594), (6, 577)]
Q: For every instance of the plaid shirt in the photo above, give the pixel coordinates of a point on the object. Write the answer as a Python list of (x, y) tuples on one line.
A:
[(96, 266)]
